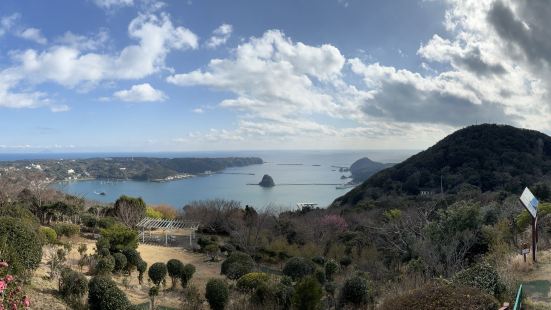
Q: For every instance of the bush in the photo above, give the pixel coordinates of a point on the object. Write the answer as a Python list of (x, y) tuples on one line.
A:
[(345, 261), (320, 276), (72, 285), (237, 265), (320, 260), (250, 281), (217, 294), (298, 267), (442, 296), (157, 273), (119, 238), (120, 262), (142, 267), (48, 235), (107, 222), (355, 291), (66, 229), (284, 296), (175, 269), (331, 267), (482, 276), (132, 259), (103, 294), (105, 265), (187, 274), (20, 245), (307, 294)]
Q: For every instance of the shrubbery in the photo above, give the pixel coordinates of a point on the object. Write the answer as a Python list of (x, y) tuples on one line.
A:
[(217, 294), (48, 235), (331, 267), (20, 245), (175, 268), (120, 262), (355, 291), (105, 265), (103, 294), (307, 294), (66, 229), (187, 274), (482, 276), (72, 285), (119, 238), (157, 273), (250, 281), (442, 296), (141, 267), (237, 265), (132, 259), (298, 267)]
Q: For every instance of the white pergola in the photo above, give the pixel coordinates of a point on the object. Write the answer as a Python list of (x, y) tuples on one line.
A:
[(148, 224)]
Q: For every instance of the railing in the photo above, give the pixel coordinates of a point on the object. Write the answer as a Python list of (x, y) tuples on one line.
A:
[(518, 300)]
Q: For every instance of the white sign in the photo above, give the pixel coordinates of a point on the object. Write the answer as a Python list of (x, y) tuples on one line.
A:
[(525, 251), (530, 202)]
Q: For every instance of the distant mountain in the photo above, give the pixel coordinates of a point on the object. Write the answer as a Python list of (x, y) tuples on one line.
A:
[(490, 157), (363, 168)]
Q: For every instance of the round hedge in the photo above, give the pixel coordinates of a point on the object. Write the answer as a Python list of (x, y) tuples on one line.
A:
[(174, 268), (298, 267), (132, 259), (217, 294), (187, 274), (331, 267), (120, 262), (72, 285), (237, 265), (250, 281), (22, 248), (142, 267), (105, 265), (355, 291), (157, 273), (48, 234), (482, 276), (103, 294), (308, 294)]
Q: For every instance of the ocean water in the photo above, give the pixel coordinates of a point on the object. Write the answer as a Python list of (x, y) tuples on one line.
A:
[(285, 167)]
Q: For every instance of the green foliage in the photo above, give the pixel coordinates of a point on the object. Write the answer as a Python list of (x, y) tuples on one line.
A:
[(66, 229), (175, 268), (107, 221), (103, 294), (237, 265), (355, 291), (187, 274), (331, 268), (72, 285), (298, 267), (250, 281), (442, 296), (157, 273), (320, 276), (105, 265), (482, 276), (120, 262), (119, 238), (152, 213), (141, 267), (132, 259), (217, 294), (307, 294), (48, 235), (20, 245), (320, 260), (524, 219)]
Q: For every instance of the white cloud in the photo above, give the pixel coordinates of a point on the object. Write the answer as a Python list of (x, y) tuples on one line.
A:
[(140, 93), (198, 110), (7, 23), (109, 4), (220, 36), (33, 34), (83, 43)]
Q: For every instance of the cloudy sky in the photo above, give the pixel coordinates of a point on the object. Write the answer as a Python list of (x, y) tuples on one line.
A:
[(144, 75)]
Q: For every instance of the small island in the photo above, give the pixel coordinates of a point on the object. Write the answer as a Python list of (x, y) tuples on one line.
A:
[(267, 181)]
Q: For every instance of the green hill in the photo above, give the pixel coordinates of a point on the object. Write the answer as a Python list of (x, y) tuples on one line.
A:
[(489, 157)]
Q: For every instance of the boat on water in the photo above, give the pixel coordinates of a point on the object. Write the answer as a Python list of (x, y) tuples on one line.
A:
[(306, 205), (100, 193)]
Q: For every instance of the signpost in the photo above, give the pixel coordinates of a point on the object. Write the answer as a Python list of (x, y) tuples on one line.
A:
[(531, 204)]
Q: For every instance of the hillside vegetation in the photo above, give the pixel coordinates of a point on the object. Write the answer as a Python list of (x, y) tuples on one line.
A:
[(488, 157)]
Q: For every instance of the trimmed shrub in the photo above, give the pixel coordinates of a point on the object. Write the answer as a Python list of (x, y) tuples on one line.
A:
[(331, 268), (355, 291), (119, 238), (482, 276), (66, 229), (20, 245), (105, 265), (307, 294), (175, 268), (298, 267), (106, 222), (103, 294), (48, 235), (157, 273), (132, 259), (217, 294), (72, 285), (187, 274), (141, 267), (442, 296), (120, 262), (237, 265), (250, 281), (284, 296)]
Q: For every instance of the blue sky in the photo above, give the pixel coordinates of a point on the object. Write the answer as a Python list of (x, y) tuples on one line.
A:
[(145, 75)]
